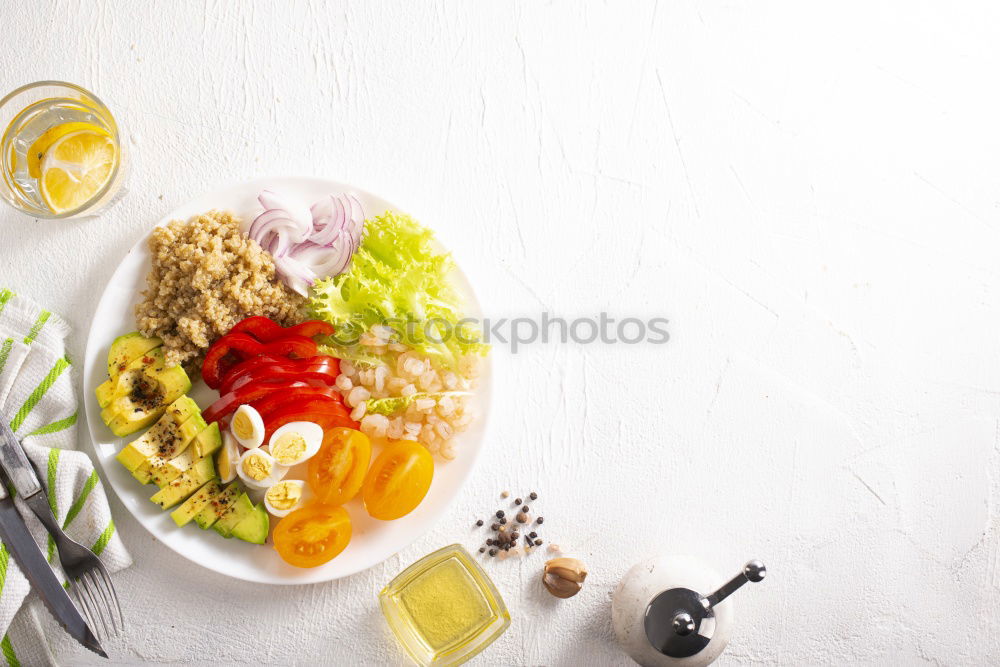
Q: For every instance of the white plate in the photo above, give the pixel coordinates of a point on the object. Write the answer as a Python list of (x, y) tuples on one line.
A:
[(373, 541)]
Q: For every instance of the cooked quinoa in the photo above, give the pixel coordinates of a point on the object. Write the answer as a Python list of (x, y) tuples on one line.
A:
[(206, 277)]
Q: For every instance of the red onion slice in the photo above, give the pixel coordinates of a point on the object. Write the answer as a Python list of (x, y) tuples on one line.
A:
[(312, 243)]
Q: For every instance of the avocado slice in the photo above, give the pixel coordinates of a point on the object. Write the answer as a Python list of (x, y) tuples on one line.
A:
[(126, 349), (208, 440), (179, 489), (198, 501), (120, 384), (236, 512), (180, 423), (166, 452), (254, 527), (162, 472), (145, 397), (218, 506)]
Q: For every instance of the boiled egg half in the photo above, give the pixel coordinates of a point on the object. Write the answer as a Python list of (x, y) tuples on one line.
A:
[(248, 426), (259, 470), (285, 497), (295, 442), (228, 458)]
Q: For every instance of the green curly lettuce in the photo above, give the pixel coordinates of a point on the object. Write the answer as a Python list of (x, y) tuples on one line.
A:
[(397, 278), (395, 405)]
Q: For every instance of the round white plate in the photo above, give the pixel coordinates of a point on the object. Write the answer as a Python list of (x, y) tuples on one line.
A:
[(373, 541)]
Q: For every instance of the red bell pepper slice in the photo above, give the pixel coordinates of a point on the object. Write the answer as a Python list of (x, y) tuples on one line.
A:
[(278, 375), (283, 399), (327, 412), (254, 391), (262, 328), (225, 352), (266, 330), (311, 328), (293, 347), (267, 367)]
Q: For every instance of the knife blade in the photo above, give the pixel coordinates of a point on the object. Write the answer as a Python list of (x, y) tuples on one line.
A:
[(43, 580)]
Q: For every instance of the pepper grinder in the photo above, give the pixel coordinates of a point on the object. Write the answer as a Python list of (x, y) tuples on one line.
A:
[(661, 619)]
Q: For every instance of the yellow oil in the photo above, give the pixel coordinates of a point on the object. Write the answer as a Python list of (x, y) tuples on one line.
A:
[(444, 609), (445, 606)]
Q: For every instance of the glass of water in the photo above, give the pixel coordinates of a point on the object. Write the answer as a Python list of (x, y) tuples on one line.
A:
[(60, 152)]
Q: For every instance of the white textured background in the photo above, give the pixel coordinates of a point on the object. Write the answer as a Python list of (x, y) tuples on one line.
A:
[(809, 193)]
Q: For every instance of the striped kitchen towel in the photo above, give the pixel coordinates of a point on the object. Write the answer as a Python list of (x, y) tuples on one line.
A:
[(37, 400)]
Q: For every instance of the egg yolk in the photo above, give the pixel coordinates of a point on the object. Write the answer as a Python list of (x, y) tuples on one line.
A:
[(289, 448), (284, 495), (242, 427), (257, 467)]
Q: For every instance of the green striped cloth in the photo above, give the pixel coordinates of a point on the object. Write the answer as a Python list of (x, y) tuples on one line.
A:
[(37, 400)]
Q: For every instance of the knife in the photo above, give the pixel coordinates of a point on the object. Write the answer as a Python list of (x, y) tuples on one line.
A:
[(43, 580)]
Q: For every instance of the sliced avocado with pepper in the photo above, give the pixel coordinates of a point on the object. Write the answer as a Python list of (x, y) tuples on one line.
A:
[(179, 489), (142, 395), (253, 528), (236, 512), (179, 424), (198, 501), (126, 349), (218, 505), (162, 472), (209, 439), (153, 361)]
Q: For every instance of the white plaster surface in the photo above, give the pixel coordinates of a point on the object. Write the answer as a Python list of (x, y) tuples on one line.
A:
[(808, 192)]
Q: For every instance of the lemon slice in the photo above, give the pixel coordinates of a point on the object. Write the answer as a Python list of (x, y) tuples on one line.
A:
[(44, 142), (75, 168)]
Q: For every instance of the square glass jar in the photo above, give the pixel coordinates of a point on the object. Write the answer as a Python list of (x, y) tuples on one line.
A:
[(444, 609)]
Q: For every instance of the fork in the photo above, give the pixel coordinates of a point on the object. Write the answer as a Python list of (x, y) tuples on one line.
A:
[(92, 584)]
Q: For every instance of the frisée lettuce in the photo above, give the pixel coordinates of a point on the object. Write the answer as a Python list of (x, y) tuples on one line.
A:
[(397, 278)]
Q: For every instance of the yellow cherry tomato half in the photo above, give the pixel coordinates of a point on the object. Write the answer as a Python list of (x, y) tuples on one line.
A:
[(398, 480), (338, 470), (312, 535)]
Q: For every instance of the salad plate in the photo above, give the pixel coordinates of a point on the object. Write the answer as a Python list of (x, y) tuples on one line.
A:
[(373, 541)]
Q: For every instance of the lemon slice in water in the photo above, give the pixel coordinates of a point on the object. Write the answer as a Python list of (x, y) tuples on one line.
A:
[(75, 168), (44, 142)]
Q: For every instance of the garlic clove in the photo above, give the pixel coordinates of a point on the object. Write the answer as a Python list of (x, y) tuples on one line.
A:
[(563, 577)]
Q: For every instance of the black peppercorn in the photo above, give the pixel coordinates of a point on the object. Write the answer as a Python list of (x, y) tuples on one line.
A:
[(525, 508), (503, 521), (493, 552), (495, 527), (489, 543), (538, 543), (517, 501), (532, 534), (533, 495), (515, 535), (479, 522), (499, 514), (540, 520), (482, 550)]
